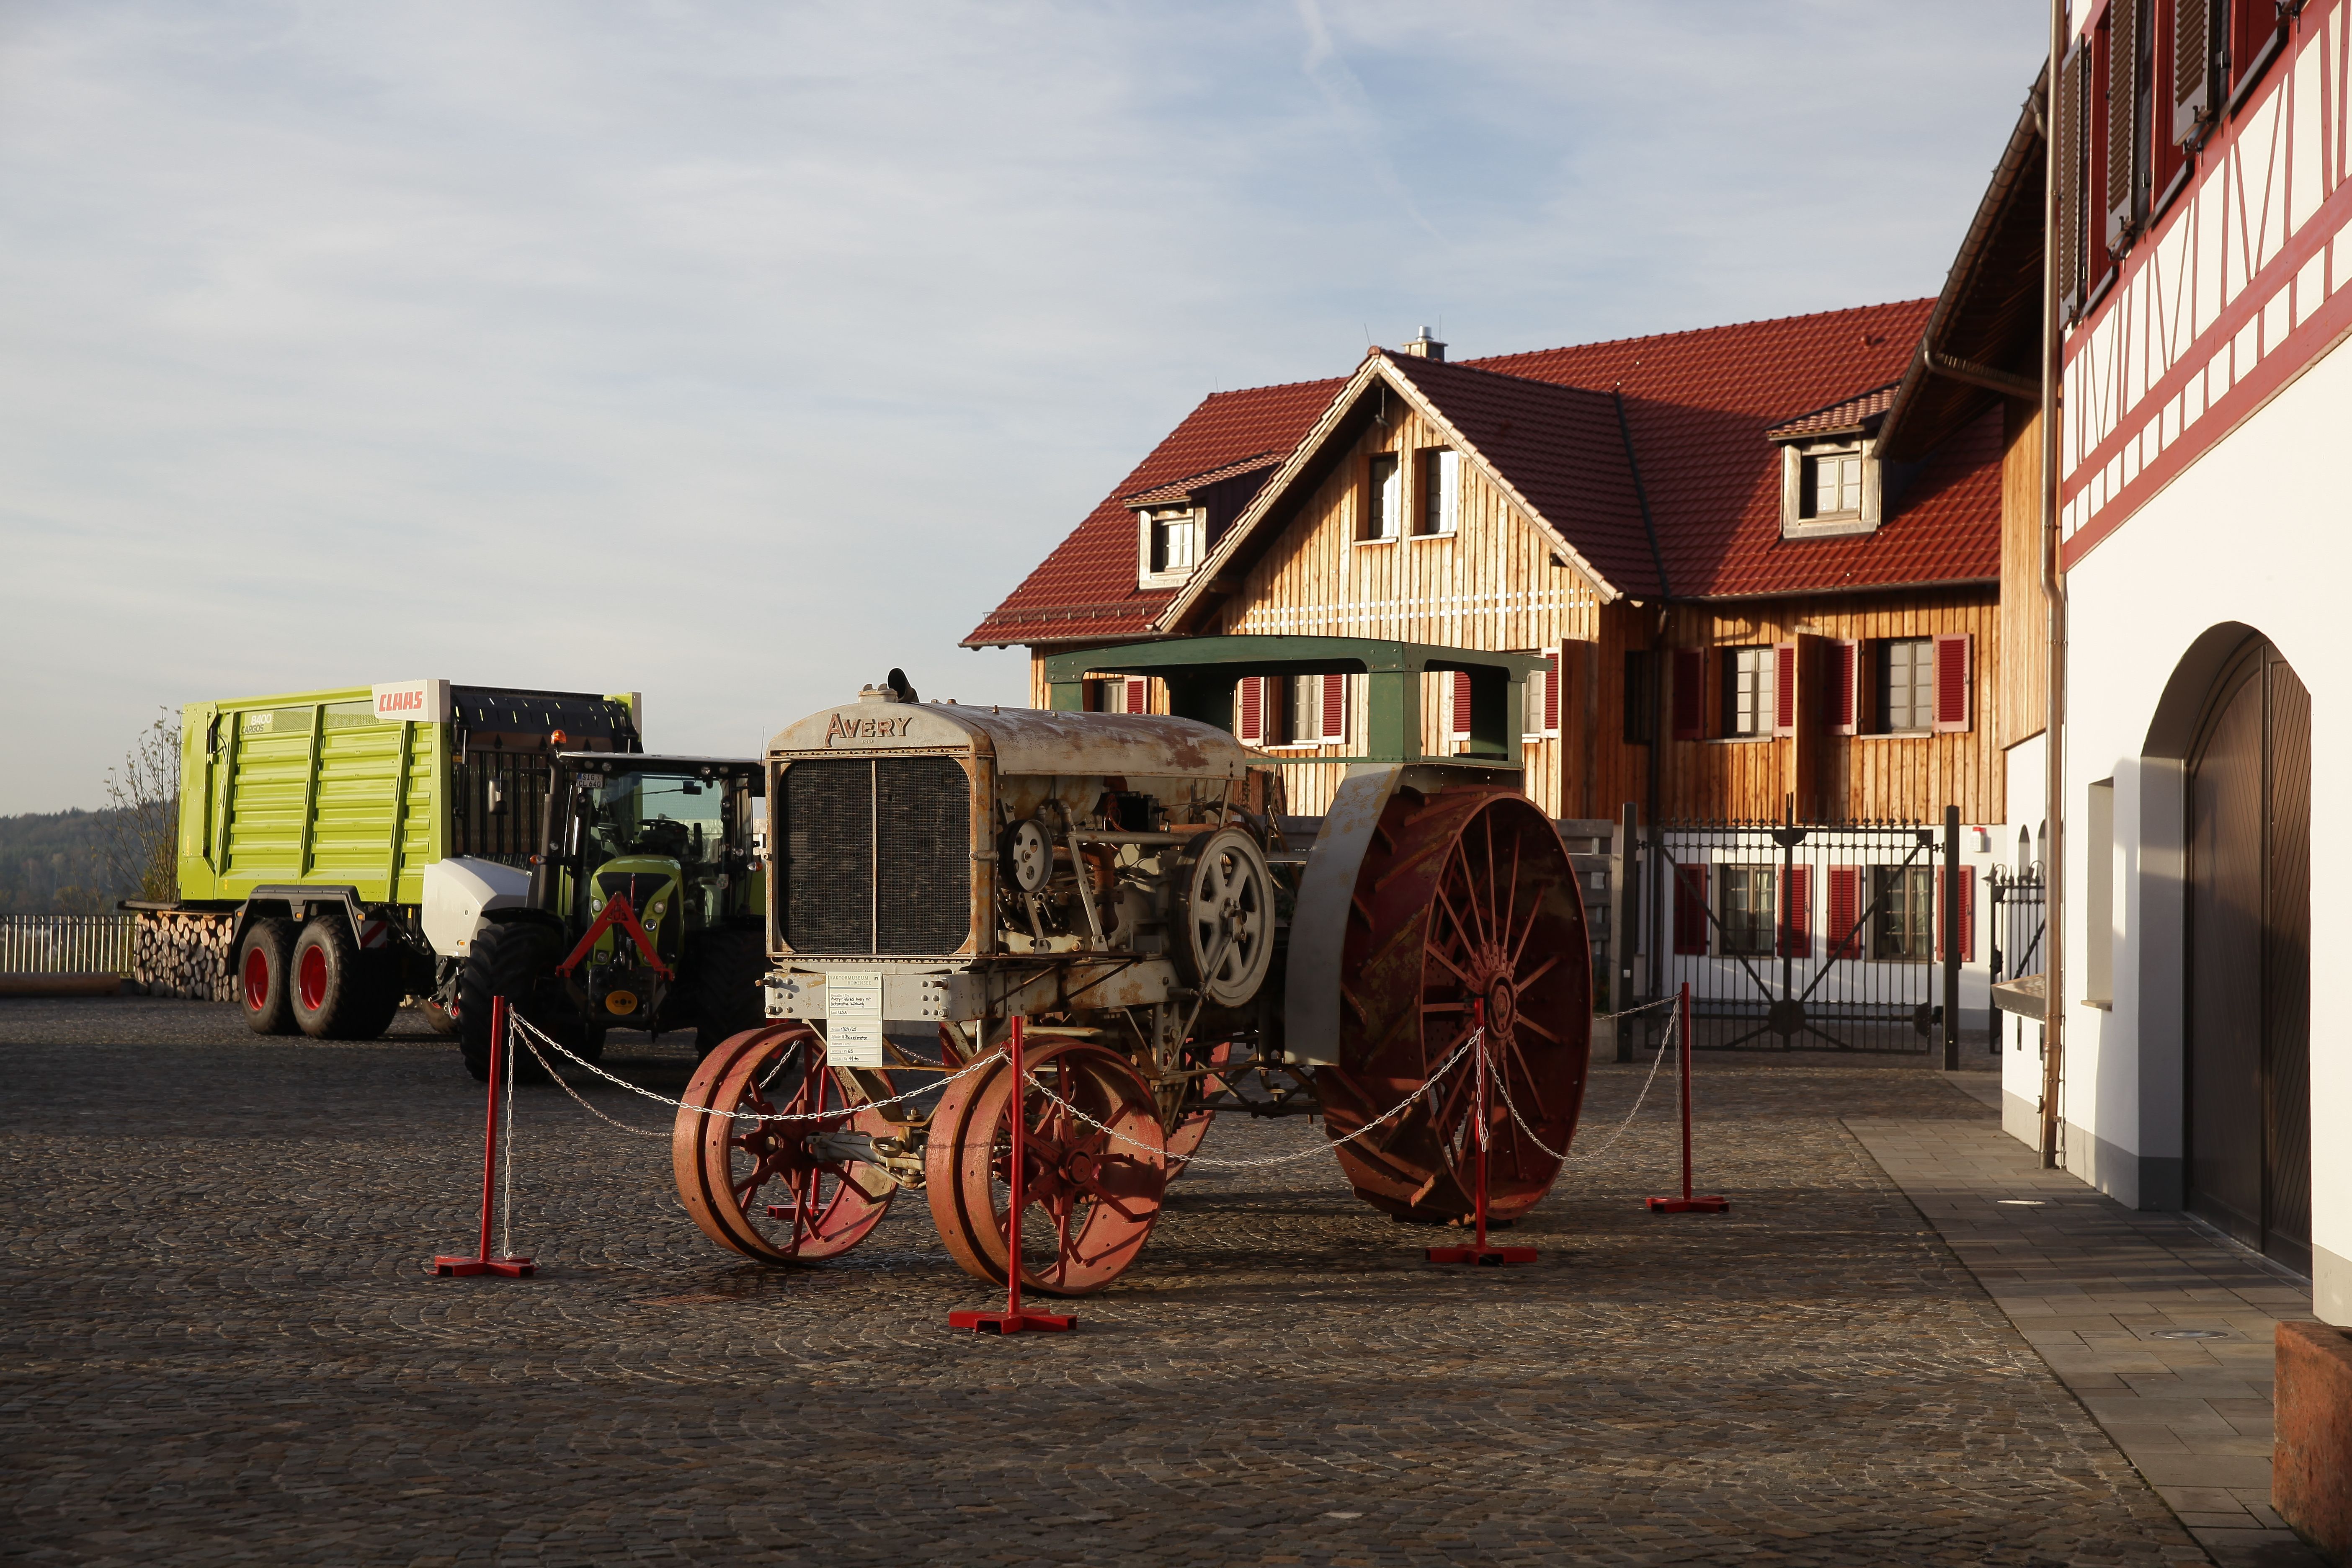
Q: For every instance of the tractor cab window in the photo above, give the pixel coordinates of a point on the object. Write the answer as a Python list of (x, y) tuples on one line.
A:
[(662, 815)]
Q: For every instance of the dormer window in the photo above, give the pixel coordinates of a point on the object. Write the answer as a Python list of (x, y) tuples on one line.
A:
[(1170, 546), (1828, 487)]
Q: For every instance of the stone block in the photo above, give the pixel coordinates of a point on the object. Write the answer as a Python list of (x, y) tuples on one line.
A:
[(2311, 1471)]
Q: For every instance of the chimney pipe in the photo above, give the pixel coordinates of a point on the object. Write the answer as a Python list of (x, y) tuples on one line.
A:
[(1426, 346)]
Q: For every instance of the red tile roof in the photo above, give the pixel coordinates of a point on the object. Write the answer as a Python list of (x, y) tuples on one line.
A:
[(1187, 486), (1085, 590), (1698, 407), (1851, 415)]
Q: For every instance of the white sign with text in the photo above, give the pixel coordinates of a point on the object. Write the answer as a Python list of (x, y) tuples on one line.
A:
[(853, 1019)]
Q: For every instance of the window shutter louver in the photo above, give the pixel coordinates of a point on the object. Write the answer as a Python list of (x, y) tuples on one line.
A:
[(1845, 688), (2070, 153), (1138, 695), (1551, 694), (1690, 693), (1335, 707), (1845, 908), (1784, 689), (1797, 911), (1250, 701), (1967, 923), (2192, 67), (1952, 683), (1690, 909), (2122, 120), (1457, 718)]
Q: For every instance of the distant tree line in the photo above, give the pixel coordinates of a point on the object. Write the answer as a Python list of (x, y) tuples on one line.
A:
[(83, 862)]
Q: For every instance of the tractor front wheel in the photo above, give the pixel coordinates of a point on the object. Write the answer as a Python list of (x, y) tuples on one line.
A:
[(516, 960)]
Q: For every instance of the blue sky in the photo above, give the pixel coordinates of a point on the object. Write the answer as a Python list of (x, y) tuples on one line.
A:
[(735, 352)]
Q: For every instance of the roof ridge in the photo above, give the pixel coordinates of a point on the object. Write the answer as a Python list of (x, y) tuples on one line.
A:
[(1482, 362), (1836, 403)]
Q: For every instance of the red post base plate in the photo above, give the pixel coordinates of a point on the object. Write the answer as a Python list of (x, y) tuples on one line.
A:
[(511, 1267), (1490, 1257), (1000, 1321), (1688, 1206)]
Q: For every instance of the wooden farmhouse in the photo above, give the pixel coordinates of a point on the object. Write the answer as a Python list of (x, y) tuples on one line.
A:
[(1745, 610)]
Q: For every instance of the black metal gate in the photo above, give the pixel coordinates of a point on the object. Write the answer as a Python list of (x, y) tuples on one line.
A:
[(1801, 935)]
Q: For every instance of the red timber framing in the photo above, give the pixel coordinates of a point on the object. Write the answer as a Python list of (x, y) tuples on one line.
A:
[(2232, 279)]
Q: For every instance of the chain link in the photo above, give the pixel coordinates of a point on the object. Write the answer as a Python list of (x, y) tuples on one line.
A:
[(1674, 1023), (968, 1068)]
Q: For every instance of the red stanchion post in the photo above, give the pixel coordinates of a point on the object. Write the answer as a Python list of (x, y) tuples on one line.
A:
[(1479, 1253), (482, 1262), (1013, 1319), (1687, 1203)]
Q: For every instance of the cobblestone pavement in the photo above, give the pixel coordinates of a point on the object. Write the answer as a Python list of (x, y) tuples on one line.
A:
[(219, 1345)]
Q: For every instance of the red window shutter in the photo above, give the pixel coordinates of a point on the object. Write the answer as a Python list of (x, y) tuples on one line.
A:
[(1690, 693), (2127, 122), (1690, 909), (1845, 908), (1551, 694), (1952, 682), (1251, 703), (1845, 659), (1139, 694), (1784, 689), (1797, 911), (1458, 720), (1335, 707), (1968, 915)]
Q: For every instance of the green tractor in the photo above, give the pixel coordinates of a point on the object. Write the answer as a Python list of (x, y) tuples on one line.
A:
[(643, 909)]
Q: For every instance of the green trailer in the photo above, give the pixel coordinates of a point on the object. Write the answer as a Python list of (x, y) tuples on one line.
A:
[(426, 838)]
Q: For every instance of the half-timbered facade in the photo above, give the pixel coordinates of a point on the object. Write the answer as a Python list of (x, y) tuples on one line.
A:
[(1745, 610)]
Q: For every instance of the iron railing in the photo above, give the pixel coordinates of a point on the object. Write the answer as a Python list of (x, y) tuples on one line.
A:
[(2018, 902), (67, 944)]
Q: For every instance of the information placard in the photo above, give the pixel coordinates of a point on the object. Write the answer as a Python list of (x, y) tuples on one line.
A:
[(853, 1019)]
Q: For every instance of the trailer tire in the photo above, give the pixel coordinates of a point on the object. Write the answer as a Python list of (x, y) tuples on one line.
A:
[(335, 989), (722, 986), (516, 960), (265, 968)]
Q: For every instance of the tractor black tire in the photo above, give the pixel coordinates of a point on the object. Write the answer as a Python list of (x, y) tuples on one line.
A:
[(722, 983), (265, 975), (516, 960), (335, 988), (388, 988)]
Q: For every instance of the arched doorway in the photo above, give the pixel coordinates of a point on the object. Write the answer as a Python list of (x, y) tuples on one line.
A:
[(2248, 969)]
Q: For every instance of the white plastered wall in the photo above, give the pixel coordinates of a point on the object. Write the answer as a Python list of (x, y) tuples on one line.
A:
[(2258, 532)]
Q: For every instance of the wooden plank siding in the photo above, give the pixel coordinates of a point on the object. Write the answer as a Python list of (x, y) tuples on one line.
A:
[(1496, 583), (2024, 613)]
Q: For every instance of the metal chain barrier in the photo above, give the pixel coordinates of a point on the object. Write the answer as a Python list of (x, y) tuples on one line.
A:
[(530, 1030), (1397, 1109), (1674, 1023), (505, 1157)]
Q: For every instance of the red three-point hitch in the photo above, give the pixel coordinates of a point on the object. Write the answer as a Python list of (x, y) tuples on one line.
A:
[(1687, 1203), (482, 1262), (1015, 1319), (1478, 1253)]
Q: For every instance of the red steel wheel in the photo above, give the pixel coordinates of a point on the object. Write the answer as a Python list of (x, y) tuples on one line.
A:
[(1464, 894), (1184, 1139), (785, 1192), (1089, 1198)]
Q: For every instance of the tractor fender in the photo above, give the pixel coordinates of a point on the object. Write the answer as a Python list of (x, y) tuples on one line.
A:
[(461, 892)]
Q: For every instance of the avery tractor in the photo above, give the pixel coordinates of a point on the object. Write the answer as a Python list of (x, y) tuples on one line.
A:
[(1121, 882), (454, 843)]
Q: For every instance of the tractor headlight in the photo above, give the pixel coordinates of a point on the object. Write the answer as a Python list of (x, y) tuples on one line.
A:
[(656, 914)]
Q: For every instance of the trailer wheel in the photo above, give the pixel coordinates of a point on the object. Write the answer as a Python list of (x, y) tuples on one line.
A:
[(723, 984), (335, 990), (265, 964), (516, 960)]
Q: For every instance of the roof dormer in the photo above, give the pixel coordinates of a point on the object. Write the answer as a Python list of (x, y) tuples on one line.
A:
[(1177, 522), (1830, 473)]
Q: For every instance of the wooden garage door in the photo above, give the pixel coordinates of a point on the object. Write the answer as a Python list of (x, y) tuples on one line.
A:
[(2249, 960)]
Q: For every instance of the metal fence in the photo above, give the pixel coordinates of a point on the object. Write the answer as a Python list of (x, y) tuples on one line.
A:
[(1801, 935), (2017, 900), (67, 944)]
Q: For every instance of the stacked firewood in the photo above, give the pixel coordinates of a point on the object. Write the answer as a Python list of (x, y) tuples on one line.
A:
[(183, 953)]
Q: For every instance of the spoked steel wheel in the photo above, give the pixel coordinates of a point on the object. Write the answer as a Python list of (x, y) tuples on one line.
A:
[(1089, 1198), (1465, 895), (787, 1192)]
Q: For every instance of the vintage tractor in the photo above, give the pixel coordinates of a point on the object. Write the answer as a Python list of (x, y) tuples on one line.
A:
[(1121, 882)]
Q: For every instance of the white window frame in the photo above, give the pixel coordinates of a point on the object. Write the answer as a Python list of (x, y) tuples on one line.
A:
[(1147, 519), (1390, 496), (1794, 523), (1534, 726), (1447, 463)]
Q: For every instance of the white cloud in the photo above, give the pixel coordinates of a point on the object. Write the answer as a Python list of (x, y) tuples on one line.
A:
[(738, 351)]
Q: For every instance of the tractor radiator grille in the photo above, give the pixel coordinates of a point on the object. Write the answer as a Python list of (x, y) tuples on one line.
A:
[(873, 856)]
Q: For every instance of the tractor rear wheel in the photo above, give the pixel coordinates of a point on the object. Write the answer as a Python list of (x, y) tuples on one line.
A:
[(723, 971), (516, 960), (264, 971), (1464, 896)]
